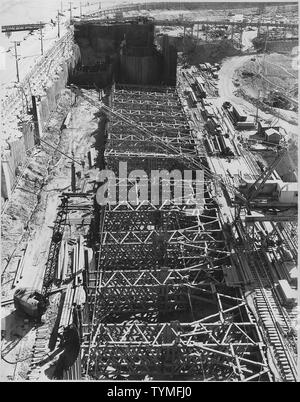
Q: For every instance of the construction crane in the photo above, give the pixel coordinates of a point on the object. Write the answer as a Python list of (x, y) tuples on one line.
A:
[(253, 191), (261, 180)]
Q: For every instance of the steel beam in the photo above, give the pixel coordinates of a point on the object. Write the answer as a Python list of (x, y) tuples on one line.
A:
[(158, 259)]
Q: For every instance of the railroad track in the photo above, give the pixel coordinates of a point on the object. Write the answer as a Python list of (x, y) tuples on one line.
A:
[(285, 236), (275, 327), (275, 321), (250, 162)]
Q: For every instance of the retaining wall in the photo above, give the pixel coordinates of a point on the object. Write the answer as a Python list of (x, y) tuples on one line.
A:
[(48, 102), (16, 149)]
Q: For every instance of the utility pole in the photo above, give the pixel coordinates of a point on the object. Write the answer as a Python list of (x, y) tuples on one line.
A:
[(58, 27), (70, 11), (16, 43), (42, 47), (73, 175), (256, 117), (80, 8)]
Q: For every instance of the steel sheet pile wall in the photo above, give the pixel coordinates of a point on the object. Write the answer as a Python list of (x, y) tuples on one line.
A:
[(158, 304)]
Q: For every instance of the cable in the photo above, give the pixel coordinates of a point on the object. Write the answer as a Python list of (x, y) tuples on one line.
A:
[(17, 361), (190, 160)]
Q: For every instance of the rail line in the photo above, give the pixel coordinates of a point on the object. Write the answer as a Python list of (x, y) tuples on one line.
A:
[(274, 318)]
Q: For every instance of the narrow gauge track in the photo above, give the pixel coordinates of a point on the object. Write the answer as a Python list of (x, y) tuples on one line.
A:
[(275, 321)]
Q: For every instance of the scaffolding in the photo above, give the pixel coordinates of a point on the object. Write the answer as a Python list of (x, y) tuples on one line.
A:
[(158, 303)]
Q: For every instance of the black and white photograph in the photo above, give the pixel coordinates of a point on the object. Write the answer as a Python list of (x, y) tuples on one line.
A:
[(149, 194)]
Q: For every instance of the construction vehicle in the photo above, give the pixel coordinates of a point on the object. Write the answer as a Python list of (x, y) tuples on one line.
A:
[(259, 183), (255, 189), (30, 301)]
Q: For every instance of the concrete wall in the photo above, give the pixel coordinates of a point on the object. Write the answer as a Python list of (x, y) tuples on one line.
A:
[(15, 154), (48, 102), (170, 61), (96, 41), (139, 70), (126, 47)]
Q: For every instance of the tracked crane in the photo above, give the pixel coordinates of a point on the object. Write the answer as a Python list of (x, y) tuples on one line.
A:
[(253, 191), (256, 187)]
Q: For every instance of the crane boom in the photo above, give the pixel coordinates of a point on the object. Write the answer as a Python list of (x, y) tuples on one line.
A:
[(260, 182)]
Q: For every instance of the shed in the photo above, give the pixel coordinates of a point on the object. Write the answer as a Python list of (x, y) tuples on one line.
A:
[(272, 135), (262, 127)]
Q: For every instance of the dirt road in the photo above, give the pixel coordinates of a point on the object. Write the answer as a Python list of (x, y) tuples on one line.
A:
[(227, 89)]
